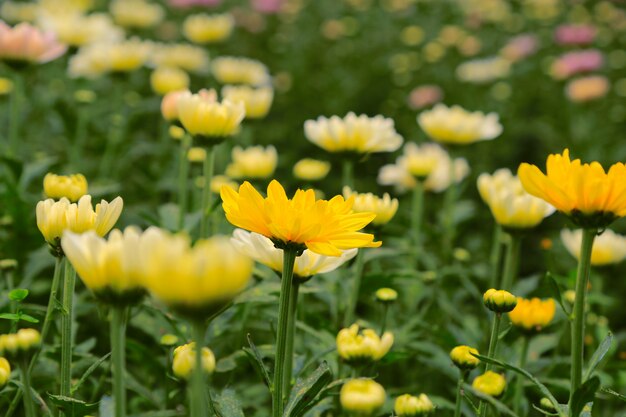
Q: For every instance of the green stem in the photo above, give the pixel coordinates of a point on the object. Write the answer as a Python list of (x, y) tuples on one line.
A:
[(208, 168), (417, 210), (449, 204), (383, 325), (347, 173), (459, 393), (495, 259), (289, 260), (511, 262), (69, 281), (519, 383), (183, 178), (29, 405), (118, 346), (578, 325), (198, 402), (356, 287), (80, 134), (493, 345), (291, 331), (17, 97)]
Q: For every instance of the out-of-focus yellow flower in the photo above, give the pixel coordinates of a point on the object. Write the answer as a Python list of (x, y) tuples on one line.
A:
[(252, 162), (196, 154), (490, 383), (18, 11), (455, 125), (220, 181), (362, 347), (409, 406), (308, 169), (75, 5), (588, 88), (85, 96), (262, 250), (5, 371), (233, 70), (77, 29), (113, 268), (324, 227), (168, 339), (360, 134), (8, 264), (586, 193), (384, 208), (169, 105), (412, 35), (203, 28), (533, 314), (483, 70), (499, 301), (94, 60), (257, 101), (362, 397), (190, 280), (187, 57), (136, 13), (608, 248), (511, 206), (434, 51), (184, 361), (386, 295), (20, 344), (26, 43), (462, 357), (176, 132), (55, 217), (421, 160), (71, 187), (166, 80), (6, 86), (203, 116)]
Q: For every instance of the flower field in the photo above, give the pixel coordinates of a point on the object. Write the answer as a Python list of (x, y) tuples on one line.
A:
[(298, 208)]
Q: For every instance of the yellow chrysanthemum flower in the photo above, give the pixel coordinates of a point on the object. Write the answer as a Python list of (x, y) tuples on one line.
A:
[(257, 101), (324, 227), (234, 70), (311, 169), (364, 346), (202, 115), (136, 13), (533, 314), (409, 406), (490, 383), (384, 208), (608, 248), (166, 80), (252, 162), (71, 187), (94, 60), (511, 206), (78, 29), (5, 371), (203, 28), (184, 361), (422, 160), (362, 397), (455, 125), (586, 193)]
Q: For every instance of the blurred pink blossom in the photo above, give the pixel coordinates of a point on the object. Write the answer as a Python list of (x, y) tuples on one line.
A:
[(24, 42), (574, 34), (191, 3), (520, 47), (267, 6), (424, 96), (577, 62)]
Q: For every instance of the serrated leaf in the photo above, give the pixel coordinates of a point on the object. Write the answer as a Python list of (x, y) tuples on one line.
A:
[(555, 291), (598, 355), (306, 390), (18, 294), (72, 407), (88, 372), (584, 395), (257, 361)]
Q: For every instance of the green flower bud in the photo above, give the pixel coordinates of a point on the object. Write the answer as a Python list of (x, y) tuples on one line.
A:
[(499, 301), (462, 357)]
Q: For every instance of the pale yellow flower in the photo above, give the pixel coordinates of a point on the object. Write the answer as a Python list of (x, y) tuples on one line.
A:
[(94, 60), (166, 80), (169, 105), (365, 346), (484, 70), (203, 28), (455, 125), (187, 57), (362, 397), (202, 115), (136, 13), (196, 154), (19, 11), (253, 162), (421, 160), (608, 248), (71, 187), (409, 406), (308, 169), (184, 361), (233, 70), (384, 208), (77, 29), (257, 101)]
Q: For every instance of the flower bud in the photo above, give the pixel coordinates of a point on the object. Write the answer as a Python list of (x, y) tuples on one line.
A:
[(499, 301), (185, 360), (490, 383), (28, 339), (463, 358), (361, 397), (71, 187), (166, 80), (311, 169), (21, 344), (8, 264), (386, 295), (5, 371), (366, 346), (409, 406), (176, 132), (546, 405)]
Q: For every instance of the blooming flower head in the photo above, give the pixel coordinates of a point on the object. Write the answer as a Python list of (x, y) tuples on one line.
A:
[(463, 357), (586, 193), (308, 169), (25, 43), (421, 160), (204, 116), (257, 101), (384, 208), (204, 28), (532, 314), (166, 80), (234, 70), (112, 269), (262, 250), (584, 89), (136, 13), (361, 397), (490, 383), (510, 204), (409, 406), (169, 104), (55, 217), (194, 281), (324, 227), (364, 346), (71, 187), (186, 57), (608, 248), (359, 134), (184, 361), (94, 60), (457, 126), (253, 162), (77, 29), (5, 371)]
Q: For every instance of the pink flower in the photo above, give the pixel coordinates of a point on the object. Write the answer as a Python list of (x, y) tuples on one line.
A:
[(190, 3), (27, 43), (574, 34), (267, 6), (576, 62), (424, 96), (520, 47)]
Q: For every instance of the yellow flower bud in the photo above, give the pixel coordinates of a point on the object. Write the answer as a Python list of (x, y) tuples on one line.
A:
[(71, 187), (533, 314), (311, 169), (166, 80), (362, 397), (20, 344), (409, 406), (490, 383), (462, 357), (203, 28), (176, 132), (8, 344), (386, 295), (366, 346), (169, 339), (185, 360), (28, 339), (196, 154), (5, 371), (8, 264), (499, 301)]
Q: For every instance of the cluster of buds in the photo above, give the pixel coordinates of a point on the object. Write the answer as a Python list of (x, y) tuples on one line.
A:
[(19, 345), (185, 360)]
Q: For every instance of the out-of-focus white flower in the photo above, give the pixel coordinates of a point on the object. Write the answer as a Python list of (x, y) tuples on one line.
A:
[(608, 248)]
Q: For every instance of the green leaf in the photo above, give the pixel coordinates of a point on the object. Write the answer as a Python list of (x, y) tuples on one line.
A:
[(10, 316), (306, 390), (613, 393), (545, 391), (555, 291), (257, 361), (28, 318), (584, 395), (88, 372), (18, 294), (72, 407), (227, 405), (598, 355)]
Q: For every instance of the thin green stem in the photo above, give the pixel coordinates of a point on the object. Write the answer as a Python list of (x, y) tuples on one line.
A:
[(289, 260), (209, 162), (417, 212), (459, 393), (347, 173), (495, 259), (359, 264), (519, 382), (383, 324), (493, 346), (69, 281), (118, 357), (449, 204), (578, 325), (198, 402), (17, 98), (511, 261), (29, 405), (183, 179), (291, 331)]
